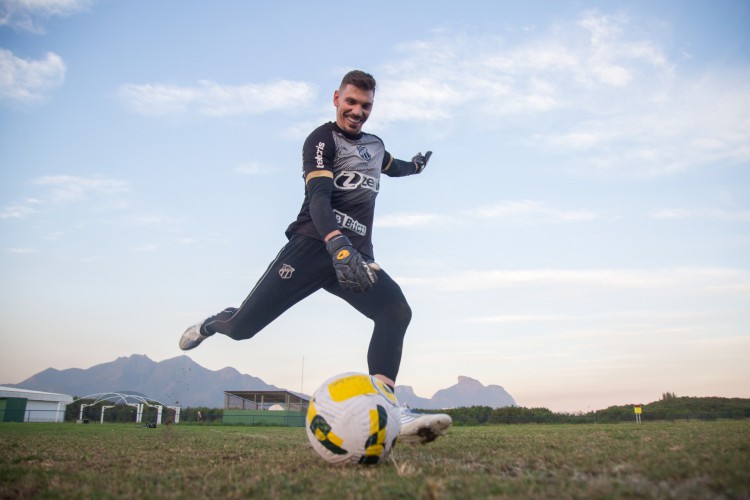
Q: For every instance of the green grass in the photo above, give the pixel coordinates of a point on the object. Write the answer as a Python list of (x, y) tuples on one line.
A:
[(653, 460)]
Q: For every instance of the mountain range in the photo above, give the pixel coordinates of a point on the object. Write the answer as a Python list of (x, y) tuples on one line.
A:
[(467, 392), (182, 381)]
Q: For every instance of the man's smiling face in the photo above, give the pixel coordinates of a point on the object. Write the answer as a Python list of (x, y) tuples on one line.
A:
[(353, 107)]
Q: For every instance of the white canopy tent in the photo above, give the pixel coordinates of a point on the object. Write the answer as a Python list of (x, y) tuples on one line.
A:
[(135, 400)]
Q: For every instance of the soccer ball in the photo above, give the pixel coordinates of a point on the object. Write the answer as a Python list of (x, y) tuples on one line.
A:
[(353, 418)]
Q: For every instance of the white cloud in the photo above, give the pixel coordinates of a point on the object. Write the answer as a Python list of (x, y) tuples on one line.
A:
[(16, 212), (21, 251), (213, 99), (613, 59), (150, 220), (22, 14), (28, 81), (702, 213), (736, 344), (411, 220), (434, 79), (425, 98), (66, 188), (55, 235), (532, 211), (615, 100), (711, 279), (520, 318), (620, 317), (514, 211), (705, 122), (145, 248)]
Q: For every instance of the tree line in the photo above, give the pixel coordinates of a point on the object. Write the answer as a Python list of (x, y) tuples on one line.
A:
[(670, 407)]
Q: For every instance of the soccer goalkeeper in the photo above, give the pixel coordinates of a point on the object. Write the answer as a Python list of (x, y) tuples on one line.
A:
[(330, 246)]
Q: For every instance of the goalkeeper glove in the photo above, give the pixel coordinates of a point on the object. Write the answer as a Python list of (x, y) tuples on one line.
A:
[(352, 271), (420, 161)]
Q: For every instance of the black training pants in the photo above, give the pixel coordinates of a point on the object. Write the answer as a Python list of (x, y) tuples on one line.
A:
[(302, 267)]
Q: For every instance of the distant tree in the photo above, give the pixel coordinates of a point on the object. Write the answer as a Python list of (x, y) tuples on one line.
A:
[(668, 395)]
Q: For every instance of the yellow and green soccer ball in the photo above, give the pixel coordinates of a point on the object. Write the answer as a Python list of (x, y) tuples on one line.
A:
[(353, 418)]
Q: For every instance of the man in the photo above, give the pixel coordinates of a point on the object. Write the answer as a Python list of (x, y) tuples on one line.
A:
[(330, 246)]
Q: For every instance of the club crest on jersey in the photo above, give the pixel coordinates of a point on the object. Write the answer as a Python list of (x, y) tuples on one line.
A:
[(286, 271), (363, 153)]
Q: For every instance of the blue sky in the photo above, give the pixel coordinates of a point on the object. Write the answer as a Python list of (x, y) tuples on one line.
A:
[(580, 236)]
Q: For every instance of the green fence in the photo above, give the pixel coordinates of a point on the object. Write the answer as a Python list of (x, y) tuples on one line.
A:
[(260, 417)]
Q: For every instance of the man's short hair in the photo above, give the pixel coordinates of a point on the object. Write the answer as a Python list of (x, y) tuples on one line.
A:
[(359, 79)]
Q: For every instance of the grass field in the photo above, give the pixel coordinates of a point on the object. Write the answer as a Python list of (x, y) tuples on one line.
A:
[(690, 459)]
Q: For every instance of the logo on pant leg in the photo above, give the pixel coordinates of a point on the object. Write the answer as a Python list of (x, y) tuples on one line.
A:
[(286, 271)]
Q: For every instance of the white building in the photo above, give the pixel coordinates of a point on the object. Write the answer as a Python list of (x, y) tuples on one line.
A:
[(22, 405)]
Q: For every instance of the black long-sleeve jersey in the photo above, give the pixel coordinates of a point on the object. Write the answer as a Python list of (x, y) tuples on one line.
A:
[(354, 163)]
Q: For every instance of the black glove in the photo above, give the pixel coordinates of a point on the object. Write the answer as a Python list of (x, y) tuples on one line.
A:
[(352, 270), (421, 161)]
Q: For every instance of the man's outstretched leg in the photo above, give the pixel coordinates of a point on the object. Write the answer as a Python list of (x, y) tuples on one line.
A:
[(197, 333), (302, 267)]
